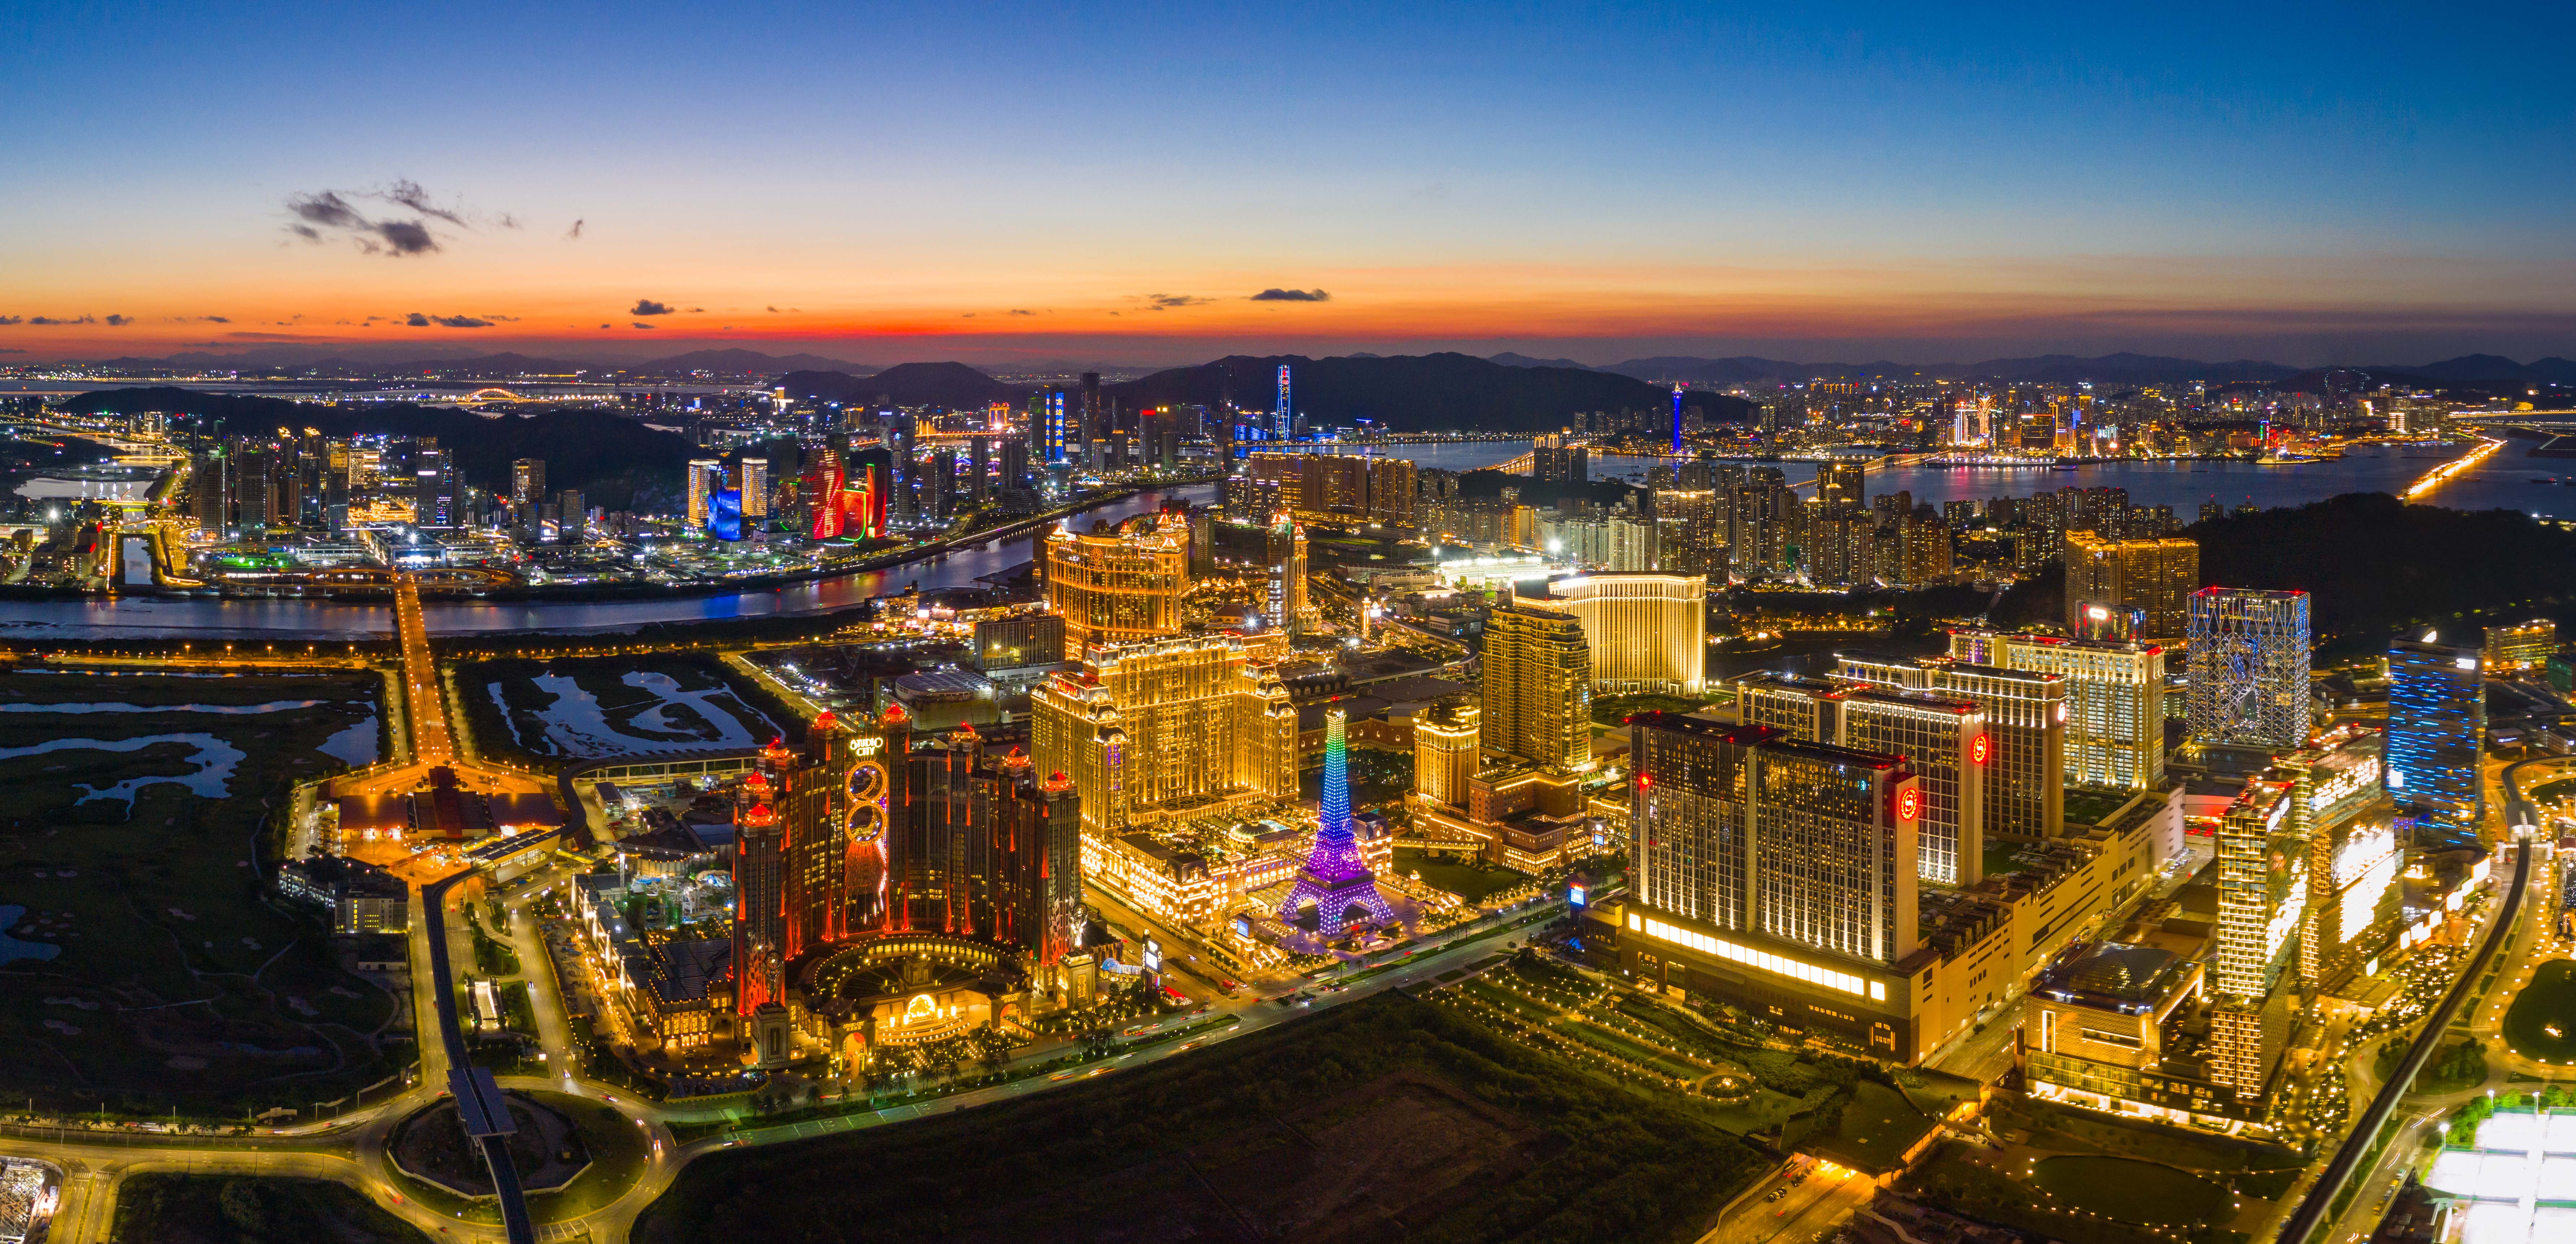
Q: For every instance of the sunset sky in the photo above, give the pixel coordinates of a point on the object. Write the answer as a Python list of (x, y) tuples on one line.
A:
[(1117, 183)]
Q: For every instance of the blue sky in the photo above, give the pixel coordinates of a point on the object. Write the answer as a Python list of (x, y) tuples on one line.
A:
[(1884, 180)]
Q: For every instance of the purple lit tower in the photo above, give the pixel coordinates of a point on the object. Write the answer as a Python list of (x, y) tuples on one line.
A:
[(1335, 878)]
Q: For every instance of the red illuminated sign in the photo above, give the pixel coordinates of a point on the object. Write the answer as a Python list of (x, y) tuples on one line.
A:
[(1981, 748), (1909, 803)]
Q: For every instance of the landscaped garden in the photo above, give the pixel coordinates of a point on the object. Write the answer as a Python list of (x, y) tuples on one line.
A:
[(1470, 880), (2540, 1023)]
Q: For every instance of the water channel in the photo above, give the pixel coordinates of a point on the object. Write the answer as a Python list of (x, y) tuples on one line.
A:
[(2506, 480)]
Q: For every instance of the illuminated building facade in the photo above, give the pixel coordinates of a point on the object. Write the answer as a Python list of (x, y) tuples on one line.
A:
[(1446, 751), (1343, 489), (981, 847), (1944, 741), (1145, 728), (2437, 729), (2262, 895), (2115, 699), (1646, 632), (1538, 687), (753, 482), (2339, 808), (2130, 589), (2521, 648), (1283, 559), (1336, 881), (2248, 656), (1120, 584), (706, 479), (2025, 795)]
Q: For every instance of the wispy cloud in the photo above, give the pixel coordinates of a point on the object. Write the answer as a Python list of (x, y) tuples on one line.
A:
[(117, 321), (51, 321), (1166, 302), (326, 214), (1292, 295), (642, 324), (646, 306), (418, 320), (574, 234)]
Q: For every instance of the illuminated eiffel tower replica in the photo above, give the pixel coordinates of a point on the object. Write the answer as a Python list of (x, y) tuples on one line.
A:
[(1335, 878)]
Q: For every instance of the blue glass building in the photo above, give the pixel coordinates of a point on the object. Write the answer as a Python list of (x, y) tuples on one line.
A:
[(2437, 727)]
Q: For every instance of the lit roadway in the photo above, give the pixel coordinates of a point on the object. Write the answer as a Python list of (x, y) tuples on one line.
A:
[(432, 741)]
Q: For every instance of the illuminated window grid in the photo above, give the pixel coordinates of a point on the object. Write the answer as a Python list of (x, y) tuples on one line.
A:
[(1760, 960)]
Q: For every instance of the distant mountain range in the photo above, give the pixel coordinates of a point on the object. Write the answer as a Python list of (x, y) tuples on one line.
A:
[(1416, 392), (2059, 369), (953, 385), (1509, 390)]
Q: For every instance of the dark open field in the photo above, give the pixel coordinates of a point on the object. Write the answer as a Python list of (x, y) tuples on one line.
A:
[(548, 712), (155, 975), (1386, 1119)]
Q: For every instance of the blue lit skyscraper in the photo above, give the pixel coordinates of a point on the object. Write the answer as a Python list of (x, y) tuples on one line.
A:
[(2437, 725), (1677, 419), (1054, 432), (1283, 421)]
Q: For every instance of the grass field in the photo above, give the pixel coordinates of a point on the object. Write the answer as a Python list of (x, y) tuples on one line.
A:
[(131, 836), (2132, 1191), (1323, 1129), (2549, 1001), (218, 1209)]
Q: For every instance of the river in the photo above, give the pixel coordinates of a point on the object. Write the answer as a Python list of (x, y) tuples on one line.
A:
[(148, 617), (2503, 481)]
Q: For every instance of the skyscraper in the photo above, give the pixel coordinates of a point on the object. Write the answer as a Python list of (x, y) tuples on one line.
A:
[(753, 481), (527, 482), (2025, 795), (1283, 563), (1336, 880), (1751, 848), (1171, 723), (2437, 727), (1283, 419), (1646, 632), (1447, 751), (2129, 589), (2249, 669), (2115, 696), (1841, 486), (706, 479), (2259, 905), (1118, 584), (1349, 489), (1538, 687), (1944, 741)]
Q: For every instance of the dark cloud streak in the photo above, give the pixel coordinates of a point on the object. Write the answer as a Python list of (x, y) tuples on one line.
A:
[(1292, 295)]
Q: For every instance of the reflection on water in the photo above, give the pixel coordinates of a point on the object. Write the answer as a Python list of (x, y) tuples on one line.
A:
[(214, 759), (178, 617)]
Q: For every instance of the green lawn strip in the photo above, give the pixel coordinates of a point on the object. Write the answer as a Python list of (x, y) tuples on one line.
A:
[(1619, 1045), (1623, 1165)]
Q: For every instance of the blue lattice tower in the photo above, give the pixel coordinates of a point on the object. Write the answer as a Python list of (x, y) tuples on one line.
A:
[(1336, 878)]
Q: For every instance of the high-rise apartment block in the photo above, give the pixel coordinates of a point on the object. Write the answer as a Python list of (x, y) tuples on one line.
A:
[(706, 479), (2129, 589), (1646, 632), (1146, 728), (2248, 655), (1345, 489), (1118, 584), (1538, 687), (2437, 728), (2115, 697), (2025, 795)]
